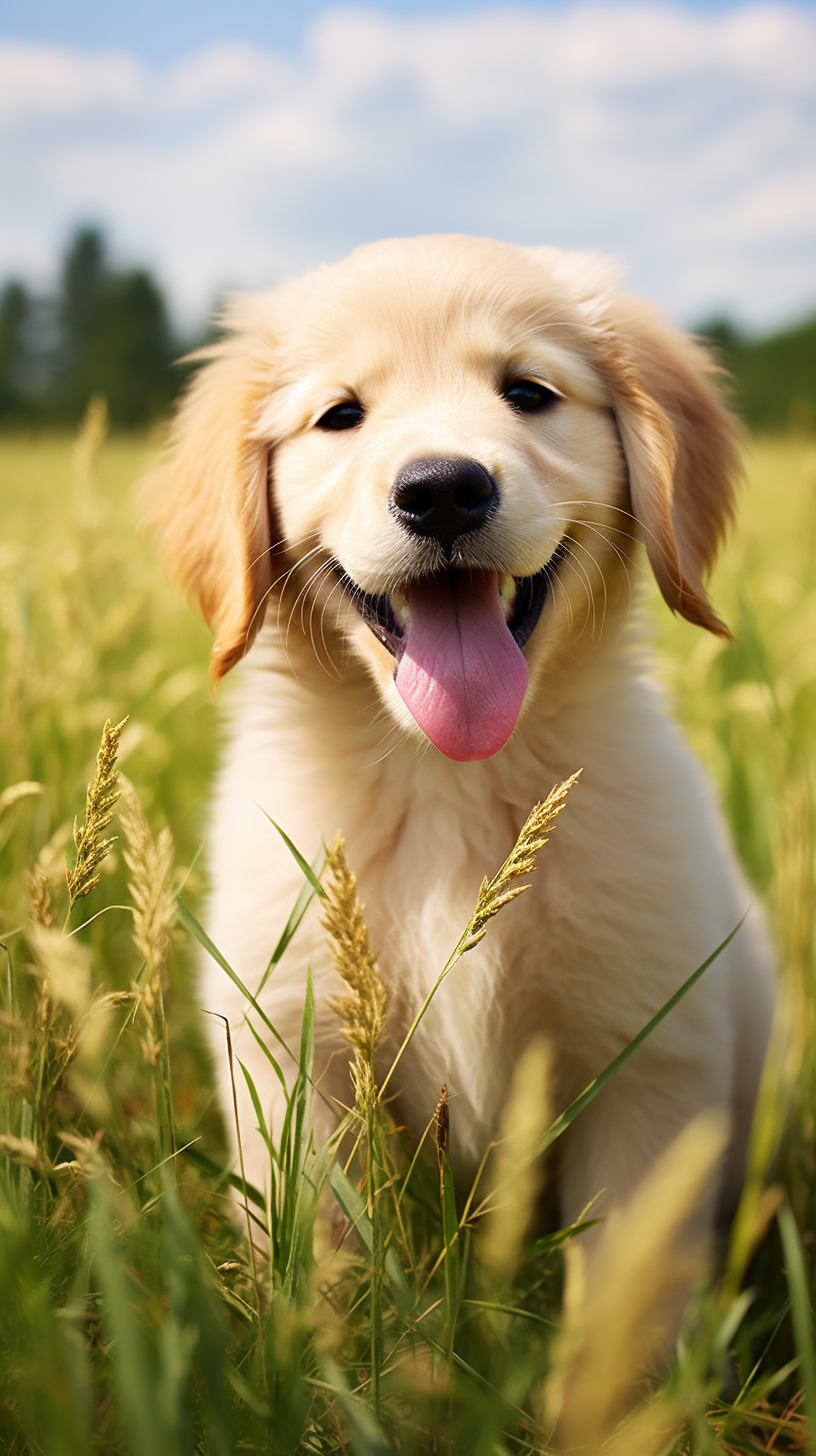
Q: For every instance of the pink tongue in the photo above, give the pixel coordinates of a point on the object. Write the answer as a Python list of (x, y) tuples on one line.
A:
[(462, 674)]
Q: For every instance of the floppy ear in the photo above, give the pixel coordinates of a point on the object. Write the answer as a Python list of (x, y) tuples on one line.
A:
[(681, 448), (210, 497)]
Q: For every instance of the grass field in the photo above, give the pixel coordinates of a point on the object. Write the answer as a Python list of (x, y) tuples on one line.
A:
[(133, 1317)]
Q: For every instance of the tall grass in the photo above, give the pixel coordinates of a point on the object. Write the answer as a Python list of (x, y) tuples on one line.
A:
[(135, 1314)]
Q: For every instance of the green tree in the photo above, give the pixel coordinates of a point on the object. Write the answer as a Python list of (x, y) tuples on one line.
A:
[(773, 379), (115, 338), (15, 318)]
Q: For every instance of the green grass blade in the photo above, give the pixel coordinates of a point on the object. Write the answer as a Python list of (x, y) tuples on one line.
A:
[(511, 1309), (305, 1067), (271, 1060), (301, 905), (591, 1091), (548, 1243), (221, 1174), (259, 1112), (453, 1251), (767, 1128), (296, 1106), (353, 1205), (296, 1140), (134, 1374), (302, 863), (187, 919), (201, 1315), (481, 1382), (801, 1316), (365, 1432)]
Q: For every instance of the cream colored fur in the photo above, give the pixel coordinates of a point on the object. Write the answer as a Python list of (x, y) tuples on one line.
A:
[(638, 885)]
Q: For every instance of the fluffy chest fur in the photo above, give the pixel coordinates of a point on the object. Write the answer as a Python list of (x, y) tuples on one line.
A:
[(582, 959)]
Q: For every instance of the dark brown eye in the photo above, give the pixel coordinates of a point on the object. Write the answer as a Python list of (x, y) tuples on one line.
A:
[(341, 416), (529, 397)]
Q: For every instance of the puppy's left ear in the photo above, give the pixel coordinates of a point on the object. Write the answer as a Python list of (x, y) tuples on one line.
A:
[(681, 447)]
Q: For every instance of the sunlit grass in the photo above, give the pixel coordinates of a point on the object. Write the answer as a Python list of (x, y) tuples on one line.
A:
[(133, 1315)]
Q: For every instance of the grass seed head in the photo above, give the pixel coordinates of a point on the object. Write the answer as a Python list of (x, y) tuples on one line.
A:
[(64, 968), (39, 896), (521, 860), (150, 861), (442, 1127), (362, 1011), (25, 1151), (103, 791)]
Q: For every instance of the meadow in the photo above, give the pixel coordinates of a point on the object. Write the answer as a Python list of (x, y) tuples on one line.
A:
[(135, 1316)]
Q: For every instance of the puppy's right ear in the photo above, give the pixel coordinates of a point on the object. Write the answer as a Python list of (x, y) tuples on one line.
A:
[(210, 497)]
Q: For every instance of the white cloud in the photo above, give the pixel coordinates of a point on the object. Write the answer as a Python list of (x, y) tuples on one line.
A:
[(225, 73), (47, 83), (683, 141)]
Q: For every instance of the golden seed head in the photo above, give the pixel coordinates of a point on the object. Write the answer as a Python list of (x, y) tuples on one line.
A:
[(103, 791), (362, 1011), (39, 895), (521, 860), (150, 861)]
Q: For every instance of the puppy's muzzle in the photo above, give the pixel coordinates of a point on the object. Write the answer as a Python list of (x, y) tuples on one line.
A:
[(443, 499)]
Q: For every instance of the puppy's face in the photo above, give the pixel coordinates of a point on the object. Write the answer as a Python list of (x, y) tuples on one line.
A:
[(452, 440), (447, 470)]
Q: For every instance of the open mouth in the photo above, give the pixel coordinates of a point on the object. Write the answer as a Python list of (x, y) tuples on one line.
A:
[(522, 598), (457, 638)]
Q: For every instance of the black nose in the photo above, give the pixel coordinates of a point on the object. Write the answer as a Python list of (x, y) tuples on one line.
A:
[(443, 499)]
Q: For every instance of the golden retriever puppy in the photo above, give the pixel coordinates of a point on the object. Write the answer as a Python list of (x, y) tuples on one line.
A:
[(414, 484)]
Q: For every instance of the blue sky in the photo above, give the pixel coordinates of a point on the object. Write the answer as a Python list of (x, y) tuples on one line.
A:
[(231, 145), (165, 30)]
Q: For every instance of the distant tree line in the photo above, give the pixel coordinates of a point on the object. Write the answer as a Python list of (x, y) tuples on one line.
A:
[(107, 332), (773, 379)]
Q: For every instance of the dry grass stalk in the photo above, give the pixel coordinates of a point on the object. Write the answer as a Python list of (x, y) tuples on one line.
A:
[(758, 1202), (39, 896), (64, 967), (25, 1151), (63, 970), (521, 860), (95, 1034), (103, 791), (517, 1173), (72, 1020), (619, 1308), (362, 1011), (27, 789), (89, 441), (150, 862), (794, 892), (71, 1176)]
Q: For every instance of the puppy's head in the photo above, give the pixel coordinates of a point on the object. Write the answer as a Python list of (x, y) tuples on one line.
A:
[(445, 446)]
